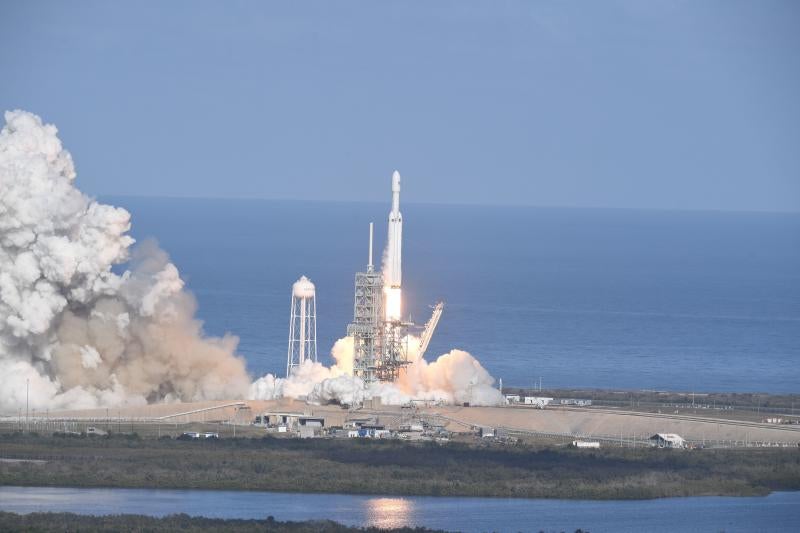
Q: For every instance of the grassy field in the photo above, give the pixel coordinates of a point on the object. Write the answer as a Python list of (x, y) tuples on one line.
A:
[(61, 522), (391, 467)]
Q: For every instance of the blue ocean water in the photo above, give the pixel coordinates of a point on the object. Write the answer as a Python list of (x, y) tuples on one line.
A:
[(579, 297)]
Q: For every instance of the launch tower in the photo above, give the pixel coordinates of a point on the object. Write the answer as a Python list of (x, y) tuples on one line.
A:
[(377, 329), (367, 326)]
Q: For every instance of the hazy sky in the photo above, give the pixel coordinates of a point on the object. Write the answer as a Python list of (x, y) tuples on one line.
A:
[(666, 104)]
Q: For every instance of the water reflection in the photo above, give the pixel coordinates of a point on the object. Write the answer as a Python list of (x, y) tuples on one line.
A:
[(389, 512), (778, 512)]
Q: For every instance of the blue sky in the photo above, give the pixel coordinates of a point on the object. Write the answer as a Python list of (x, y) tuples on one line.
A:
[(658, 104)]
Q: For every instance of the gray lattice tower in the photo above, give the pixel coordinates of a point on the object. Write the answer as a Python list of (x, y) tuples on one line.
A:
[(394, 354), (367, 326)]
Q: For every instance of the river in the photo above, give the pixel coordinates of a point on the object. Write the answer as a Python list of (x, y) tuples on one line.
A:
[(779, 512)]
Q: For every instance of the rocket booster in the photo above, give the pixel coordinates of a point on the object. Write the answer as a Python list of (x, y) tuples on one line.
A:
[(394, 275)]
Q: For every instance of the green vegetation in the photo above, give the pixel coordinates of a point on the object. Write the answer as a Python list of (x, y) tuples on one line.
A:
[(393, 467), (63, 522)]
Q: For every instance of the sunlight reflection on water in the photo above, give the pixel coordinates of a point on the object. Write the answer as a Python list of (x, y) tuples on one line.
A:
[(389, 512)]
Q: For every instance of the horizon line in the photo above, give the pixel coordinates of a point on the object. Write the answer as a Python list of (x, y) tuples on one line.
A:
[(452, 204)]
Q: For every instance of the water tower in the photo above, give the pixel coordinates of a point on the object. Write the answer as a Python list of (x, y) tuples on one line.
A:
[(302, 325)]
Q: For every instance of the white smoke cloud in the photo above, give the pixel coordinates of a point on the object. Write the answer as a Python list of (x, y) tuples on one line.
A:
[(454, 377), (82, 336), (79, 334)]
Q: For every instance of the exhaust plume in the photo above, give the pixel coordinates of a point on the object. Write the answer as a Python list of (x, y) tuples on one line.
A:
[(455, 377), (83, 335)]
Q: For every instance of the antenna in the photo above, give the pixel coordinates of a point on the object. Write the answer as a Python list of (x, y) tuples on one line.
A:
[(369, 265)]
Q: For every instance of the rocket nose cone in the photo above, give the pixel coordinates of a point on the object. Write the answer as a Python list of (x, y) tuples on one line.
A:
[(396, 181)]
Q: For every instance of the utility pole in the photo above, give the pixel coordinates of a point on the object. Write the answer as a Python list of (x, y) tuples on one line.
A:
[(27, 404)]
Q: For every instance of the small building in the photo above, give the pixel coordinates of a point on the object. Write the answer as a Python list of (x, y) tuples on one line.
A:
[(381, 434), (199, 435), (290, 421), (373, 432), (585, 444), (667, 440), (580, 402), (486, 432), (537, 401), (513, 398), (311, 421), (356, 423), (307, 432), (280, 418)]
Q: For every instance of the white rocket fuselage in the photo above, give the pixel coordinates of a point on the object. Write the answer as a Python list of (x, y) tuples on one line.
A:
[(394, 274)]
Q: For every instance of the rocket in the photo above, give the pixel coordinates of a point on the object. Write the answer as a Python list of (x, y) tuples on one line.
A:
[(393, 277)]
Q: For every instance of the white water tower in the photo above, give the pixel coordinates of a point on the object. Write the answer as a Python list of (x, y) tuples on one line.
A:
[(302, 325)]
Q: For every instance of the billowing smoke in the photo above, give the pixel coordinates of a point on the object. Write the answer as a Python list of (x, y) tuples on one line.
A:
[(454, 377), (82, 334)]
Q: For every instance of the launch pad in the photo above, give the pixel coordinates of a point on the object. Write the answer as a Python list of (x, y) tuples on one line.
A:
[(380, 336), (379, 349)]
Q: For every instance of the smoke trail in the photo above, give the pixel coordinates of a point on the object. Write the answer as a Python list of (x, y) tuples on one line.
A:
[(82, 335)]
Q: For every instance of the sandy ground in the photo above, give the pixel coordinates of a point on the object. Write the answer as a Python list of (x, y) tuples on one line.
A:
[(601, 423), (618, 424)]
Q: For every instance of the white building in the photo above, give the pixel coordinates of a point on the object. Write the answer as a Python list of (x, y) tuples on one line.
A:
[(537, 401), (586, 444), (667, 440)]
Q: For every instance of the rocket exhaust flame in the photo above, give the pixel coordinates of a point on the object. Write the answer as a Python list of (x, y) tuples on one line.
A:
[(393, 303)]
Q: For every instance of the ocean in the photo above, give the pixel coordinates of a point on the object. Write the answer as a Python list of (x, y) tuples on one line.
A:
[(602, 298)]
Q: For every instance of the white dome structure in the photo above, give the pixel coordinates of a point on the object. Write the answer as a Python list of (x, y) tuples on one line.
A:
[(303, 288)]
